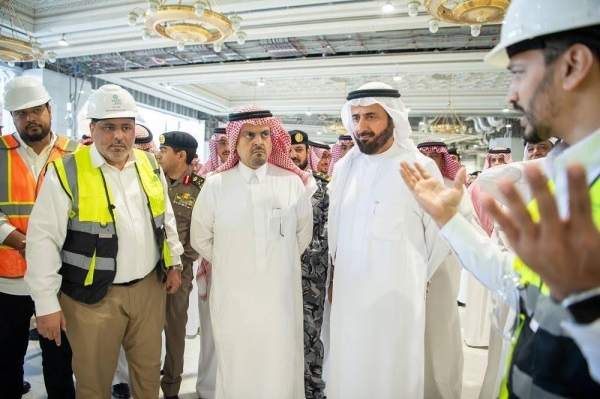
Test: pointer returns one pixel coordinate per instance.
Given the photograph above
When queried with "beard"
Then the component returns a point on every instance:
(303, 165)
(36, 137)
(374, 145)
(542, 101)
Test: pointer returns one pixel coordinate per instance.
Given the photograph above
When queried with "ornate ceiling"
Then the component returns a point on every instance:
(309, 54)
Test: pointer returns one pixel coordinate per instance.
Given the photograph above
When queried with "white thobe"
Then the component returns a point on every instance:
(253, 226)
(443, 339)
(385, 249)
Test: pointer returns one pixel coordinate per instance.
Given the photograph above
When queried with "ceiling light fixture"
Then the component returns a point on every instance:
(308, 113)
(52, 57)
(388, 7)
(199, 23)
(16, 46)
(168, 86)
(475, 30)
(217, 47)
(434, 25)
(468, 12)
(413, 8)
(261, 82)
(506, 110)
(448, 122)
(63, 42)
(397, 77)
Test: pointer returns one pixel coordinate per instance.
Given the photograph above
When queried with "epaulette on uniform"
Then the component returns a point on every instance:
(197, 181)
(321, 176)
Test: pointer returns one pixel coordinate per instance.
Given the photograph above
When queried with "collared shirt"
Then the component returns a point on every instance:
(183, 197)
(489, 264)
(138, 251)
(35, 163)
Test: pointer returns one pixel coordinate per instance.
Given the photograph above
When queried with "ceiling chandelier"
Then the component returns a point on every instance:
(17, 45)
(197, 23)
(474, 13)
(448, 122)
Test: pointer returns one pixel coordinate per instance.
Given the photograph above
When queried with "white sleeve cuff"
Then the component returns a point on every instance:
(47, 306)
(5, 230)
(587, 336)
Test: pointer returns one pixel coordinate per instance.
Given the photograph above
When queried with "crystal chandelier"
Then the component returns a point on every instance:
(465, 12)
(17, 45)
(197, 23)
(448, 122)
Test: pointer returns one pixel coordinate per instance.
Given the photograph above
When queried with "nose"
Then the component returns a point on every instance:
(360, 125)
(512, 97)
(258, 140)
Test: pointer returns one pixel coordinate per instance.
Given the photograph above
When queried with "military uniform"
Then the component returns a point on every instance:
(314, 276)
(182, 194)
(315, 261)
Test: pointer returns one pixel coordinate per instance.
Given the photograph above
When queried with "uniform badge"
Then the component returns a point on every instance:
(185, 200)
(299, 137)
(161, 139)
(186, 180)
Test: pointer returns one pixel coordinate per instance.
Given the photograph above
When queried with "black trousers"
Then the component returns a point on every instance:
(15, 313)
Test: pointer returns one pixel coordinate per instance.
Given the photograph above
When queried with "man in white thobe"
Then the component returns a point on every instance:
(384, 250)
(252, 221)
(443, 339)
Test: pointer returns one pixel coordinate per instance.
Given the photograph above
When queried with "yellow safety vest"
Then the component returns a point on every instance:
(545, 363)
(89, 253)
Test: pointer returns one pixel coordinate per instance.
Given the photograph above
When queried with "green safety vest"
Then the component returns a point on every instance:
(89, 253)
(545, 362)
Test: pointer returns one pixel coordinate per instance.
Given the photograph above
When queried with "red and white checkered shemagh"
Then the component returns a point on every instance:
(451, 167)
(336, 154)
(141, 132)
(314, 156)
(280, 140)
(203, 278)
(213, 157)
(507, 157)
(478, 195)
(86, 140)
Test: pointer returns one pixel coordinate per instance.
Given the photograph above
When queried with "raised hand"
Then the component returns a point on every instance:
(439, 201)
(564, 252)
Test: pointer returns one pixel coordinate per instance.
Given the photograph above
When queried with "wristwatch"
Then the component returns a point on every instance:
(179, 268)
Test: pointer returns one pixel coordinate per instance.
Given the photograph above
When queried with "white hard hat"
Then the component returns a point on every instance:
(24, 92)
(111, 101)
(528, 19)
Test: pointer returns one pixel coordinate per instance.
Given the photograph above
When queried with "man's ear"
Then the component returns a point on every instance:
(576, 64)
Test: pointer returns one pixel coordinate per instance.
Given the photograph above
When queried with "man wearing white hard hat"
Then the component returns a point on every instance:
(553, 281)
(103, 254)
(384, 249)
(23, 159)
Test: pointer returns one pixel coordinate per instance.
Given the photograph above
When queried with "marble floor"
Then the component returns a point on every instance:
(474, 370)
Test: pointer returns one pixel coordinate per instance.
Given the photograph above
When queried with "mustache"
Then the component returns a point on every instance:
(258, 149)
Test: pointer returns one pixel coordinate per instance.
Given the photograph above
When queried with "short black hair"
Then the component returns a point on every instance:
(189, 154)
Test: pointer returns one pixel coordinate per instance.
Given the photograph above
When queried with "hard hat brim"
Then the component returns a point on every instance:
(115, 115)
(30, 104)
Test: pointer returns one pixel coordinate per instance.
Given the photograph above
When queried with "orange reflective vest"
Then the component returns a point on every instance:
(18, 190)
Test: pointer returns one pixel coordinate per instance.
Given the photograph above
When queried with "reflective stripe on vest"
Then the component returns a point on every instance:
(545, 362)
(90, 249)
(18, 190)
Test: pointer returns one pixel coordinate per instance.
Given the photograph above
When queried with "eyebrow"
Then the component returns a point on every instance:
(366, 114)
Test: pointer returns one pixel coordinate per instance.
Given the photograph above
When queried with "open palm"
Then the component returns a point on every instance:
(439, 201)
